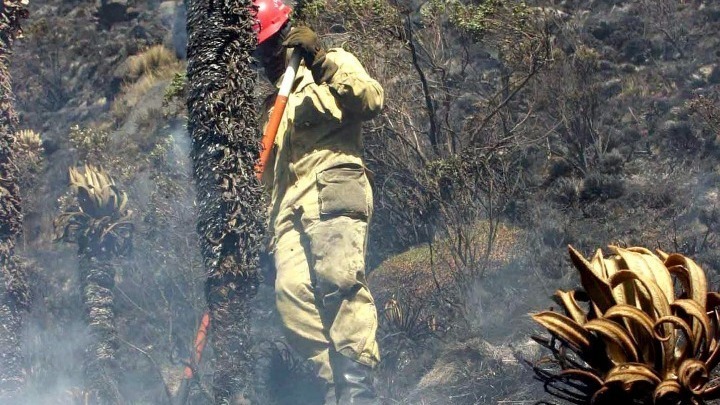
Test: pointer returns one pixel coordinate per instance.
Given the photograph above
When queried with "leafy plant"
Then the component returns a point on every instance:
(412, 321)
(28, 140)
(90, 143)
(475, 19)
(29, 150)
(176, 88)
(100, 221)
(650, 332)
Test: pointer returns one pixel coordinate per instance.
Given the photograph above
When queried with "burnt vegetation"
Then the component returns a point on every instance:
(14, 287)
(510, 130)
(223, 125)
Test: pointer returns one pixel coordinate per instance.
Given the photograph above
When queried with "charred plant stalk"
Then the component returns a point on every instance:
(14, 291)
(97, 279)
(225, 146)
(229, 308)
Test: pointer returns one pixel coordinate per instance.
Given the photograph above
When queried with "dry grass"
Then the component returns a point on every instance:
(413, 270)
(154, 61)
(474, 372)
(636, 86)
(144, 71)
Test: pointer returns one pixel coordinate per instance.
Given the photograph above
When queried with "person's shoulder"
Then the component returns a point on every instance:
(342, 57)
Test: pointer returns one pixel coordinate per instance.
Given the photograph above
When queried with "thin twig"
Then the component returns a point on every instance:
(154, 364)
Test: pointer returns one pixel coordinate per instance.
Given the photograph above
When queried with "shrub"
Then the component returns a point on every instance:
(565, 192)
(679, 134)
(602, 187)
(89, 142)
(176, 88)
(560, 168)
(612, 163)
(45, 81)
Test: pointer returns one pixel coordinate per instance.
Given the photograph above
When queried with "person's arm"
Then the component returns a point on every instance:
(358, 95)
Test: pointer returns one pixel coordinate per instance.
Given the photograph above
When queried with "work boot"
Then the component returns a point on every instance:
(353, 382)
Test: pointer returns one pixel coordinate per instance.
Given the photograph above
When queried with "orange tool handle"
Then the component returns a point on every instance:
(200, 340)
(278, 110)
(268, 138)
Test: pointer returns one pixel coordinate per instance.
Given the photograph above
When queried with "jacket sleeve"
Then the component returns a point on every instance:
(358, 95)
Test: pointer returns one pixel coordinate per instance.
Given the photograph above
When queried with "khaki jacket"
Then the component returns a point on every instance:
(321, 129)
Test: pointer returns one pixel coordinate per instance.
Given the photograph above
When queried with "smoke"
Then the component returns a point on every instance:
(159, 292)
(179, 31)
(55, 355)
(159, 287)
(55, 335)
(178, 155)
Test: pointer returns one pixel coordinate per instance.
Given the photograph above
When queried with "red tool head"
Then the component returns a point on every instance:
(271, 16)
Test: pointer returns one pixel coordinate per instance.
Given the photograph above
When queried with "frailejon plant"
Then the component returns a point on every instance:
(14, 289)
(99, 224)
(225, 147)
(644, 329)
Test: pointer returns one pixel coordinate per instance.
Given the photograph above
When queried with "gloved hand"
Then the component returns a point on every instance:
(307, 41)
(312, 51)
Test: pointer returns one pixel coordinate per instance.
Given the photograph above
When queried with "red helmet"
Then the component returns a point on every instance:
(271, 16)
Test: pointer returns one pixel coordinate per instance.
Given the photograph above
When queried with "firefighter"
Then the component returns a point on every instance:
(320, 206)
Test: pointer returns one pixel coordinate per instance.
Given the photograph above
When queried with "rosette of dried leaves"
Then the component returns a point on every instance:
(644, 329)
(99, 223)
(29, 161)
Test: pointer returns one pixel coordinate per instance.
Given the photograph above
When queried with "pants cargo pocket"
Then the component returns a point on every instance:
(342, 191)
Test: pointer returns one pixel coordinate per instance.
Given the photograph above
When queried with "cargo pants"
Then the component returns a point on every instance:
(321, 290)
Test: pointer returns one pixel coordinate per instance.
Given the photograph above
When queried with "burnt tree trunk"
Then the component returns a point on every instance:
(14, 290)
(97, 279)
(225, 146)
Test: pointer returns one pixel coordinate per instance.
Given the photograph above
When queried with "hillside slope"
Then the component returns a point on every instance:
(615, 141)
